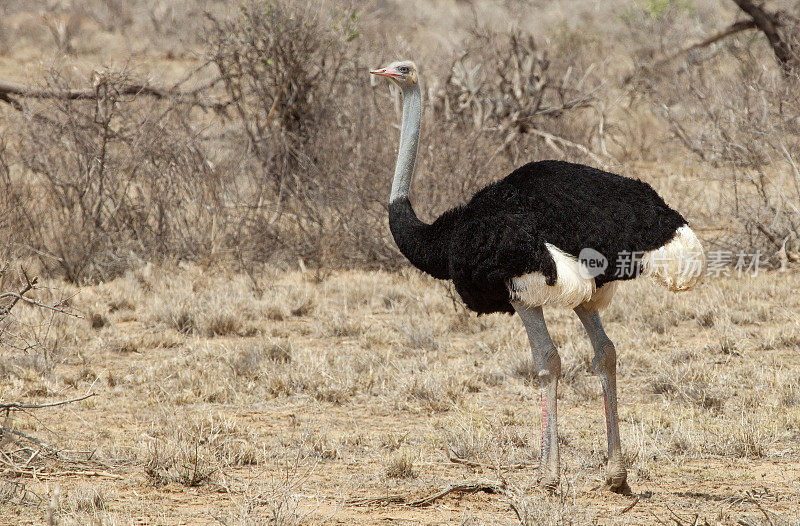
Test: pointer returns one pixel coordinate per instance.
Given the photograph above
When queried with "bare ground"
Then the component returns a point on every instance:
(220, 403)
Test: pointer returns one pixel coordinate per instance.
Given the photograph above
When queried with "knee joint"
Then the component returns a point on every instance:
(605, 357)
(550, 367)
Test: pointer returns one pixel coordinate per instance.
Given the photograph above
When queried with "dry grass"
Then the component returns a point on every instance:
(294, 418)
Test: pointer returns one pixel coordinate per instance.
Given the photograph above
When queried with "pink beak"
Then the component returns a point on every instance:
(387, 73)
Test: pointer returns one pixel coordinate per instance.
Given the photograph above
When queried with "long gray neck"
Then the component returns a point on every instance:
(409, 139)
(424, 245)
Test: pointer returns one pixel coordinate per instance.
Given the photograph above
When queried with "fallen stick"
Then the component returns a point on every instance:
(491, 488)
(473, 487)
(630, 506)
(471, 463)
(389, 499)
(8, 406)
(51, 474)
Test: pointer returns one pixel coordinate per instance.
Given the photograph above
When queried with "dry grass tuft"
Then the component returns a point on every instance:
(183, 462)
(400, 465)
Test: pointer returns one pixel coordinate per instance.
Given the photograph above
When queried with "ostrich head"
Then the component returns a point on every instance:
(402, 73)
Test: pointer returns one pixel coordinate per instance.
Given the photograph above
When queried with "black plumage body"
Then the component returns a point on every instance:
(501, 233)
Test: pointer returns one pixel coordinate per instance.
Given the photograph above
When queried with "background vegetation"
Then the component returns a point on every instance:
(274, 144)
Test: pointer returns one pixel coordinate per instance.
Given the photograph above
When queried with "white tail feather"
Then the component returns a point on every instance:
(679, 264)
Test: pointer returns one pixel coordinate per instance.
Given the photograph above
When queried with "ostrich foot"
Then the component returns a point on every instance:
(617, 481)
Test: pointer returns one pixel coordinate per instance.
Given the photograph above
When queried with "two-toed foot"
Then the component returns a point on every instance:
(617, 480)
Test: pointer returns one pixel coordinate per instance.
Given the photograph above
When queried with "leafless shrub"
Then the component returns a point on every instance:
(505, 100)
(288, 76)
(276, 502)
(29, 317)
(747, 120)
(729, 103)
(505, 81)
(99, 184)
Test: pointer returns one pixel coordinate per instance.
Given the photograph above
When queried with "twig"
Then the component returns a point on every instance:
(9, 406)
(274, 105)
(630, 506)
(46, 474)
(736, 27)
(17, 296)
(389, 499)
(675, 516)
(492, 488)
(471, 463)
(555, 138)
(32, 439)
(658, 518)
(516, 509)
(29, 284)
(752, 499)
(769, 235)
(679, 132)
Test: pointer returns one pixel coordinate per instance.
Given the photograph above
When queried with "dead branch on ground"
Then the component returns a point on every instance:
(16, 406)
(493, 488)
(471, 487)
(630, 506)
(19, 460)
(388, 499)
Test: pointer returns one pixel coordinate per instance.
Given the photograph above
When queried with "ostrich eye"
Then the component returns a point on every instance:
(403, 69)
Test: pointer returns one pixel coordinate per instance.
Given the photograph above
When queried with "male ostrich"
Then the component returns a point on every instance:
(515, 247)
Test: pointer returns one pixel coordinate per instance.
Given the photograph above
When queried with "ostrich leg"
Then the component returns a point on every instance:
(605, 363)
(548, 367)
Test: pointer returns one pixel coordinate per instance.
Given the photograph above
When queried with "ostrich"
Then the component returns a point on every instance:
(549, 233)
